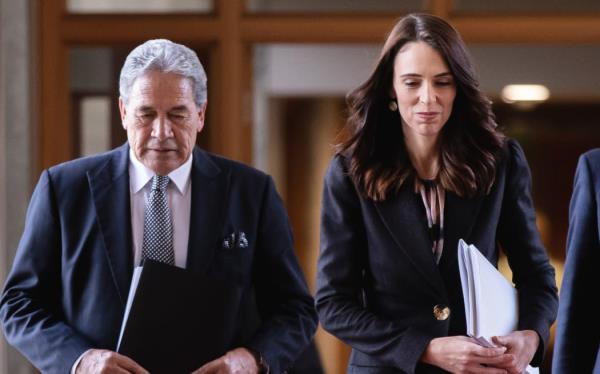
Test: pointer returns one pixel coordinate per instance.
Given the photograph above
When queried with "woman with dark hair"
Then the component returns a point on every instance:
(423, 166)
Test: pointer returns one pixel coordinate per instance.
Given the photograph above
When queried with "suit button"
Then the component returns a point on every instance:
(441, 312)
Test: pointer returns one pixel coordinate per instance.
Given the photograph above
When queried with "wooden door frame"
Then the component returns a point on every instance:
(231, 32)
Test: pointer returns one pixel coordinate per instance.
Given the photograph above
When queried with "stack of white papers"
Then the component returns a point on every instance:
(491, 302)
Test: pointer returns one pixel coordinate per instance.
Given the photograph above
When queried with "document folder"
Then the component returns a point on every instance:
(491, 301)
(176, 320)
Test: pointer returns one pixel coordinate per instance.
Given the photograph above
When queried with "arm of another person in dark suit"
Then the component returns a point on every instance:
(577, 332)
(518, 235)
(339, 281)
(284, 302)
(30, 307)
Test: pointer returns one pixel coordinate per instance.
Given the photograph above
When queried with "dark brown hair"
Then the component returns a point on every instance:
(470, 142)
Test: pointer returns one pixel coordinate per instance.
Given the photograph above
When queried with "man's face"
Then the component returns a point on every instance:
(162, 120)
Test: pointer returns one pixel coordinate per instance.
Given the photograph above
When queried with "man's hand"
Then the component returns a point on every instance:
(102, 361)
(238, 361)
(460, 354)
(522, 345)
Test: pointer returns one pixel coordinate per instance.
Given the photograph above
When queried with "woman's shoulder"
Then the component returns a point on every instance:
(513, 153)
(513, 164)
(339, 164)
(338, 174)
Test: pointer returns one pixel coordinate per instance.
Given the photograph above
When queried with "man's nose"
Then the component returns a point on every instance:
(162, 128)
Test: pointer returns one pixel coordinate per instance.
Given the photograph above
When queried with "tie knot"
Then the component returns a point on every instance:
(160, 182)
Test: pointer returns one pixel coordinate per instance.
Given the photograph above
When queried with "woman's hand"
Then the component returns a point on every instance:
(460, 354)
(522, 345)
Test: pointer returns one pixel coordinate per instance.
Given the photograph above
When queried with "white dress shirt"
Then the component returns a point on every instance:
(179, 197)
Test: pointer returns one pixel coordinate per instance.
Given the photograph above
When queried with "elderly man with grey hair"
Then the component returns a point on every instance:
(159, 197)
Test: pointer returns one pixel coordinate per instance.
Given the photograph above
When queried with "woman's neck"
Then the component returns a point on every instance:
(424, 153)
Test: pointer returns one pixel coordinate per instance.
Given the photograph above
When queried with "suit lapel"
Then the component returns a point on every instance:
(460, 215)
(210, 187)
(404, 217)
(110, 191)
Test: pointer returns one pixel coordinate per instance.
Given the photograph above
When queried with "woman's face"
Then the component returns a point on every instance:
(424, 88)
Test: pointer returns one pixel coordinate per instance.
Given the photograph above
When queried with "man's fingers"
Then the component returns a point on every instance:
(119, 370)
(210, 367)
(130, 365)
(105, 361)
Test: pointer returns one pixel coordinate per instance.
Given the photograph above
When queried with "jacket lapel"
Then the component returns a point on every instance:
(110, 191)
(460, 215)
(405, 219)
(210, 188)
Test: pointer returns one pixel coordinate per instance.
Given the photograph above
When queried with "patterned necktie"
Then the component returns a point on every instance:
(158, 228)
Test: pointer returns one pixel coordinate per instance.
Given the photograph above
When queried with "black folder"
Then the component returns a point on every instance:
(177, 320)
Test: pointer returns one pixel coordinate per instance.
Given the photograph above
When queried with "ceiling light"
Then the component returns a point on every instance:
(531, 93)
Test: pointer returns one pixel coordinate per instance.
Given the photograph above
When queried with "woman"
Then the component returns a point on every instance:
(424, 166)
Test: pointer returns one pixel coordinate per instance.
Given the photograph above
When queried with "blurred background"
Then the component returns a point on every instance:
(278, 72)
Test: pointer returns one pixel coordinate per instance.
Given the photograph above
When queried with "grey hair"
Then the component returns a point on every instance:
(167, 57)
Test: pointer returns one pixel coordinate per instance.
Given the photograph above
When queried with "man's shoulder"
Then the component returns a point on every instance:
(593, 157)
(589, 166)
(236, 169)
(81, 166)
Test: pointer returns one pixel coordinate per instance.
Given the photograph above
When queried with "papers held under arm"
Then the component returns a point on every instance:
(176, 320)
(491, 301)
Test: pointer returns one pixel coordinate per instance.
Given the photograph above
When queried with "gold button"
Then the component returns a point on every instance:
(441, 312)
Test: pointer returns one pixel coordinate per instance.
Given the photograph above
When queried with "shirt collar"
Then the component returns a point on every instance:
(140, 175)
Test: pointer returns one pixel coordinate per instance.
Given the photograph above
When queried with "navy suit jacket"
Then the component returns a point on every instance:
(378, 281)
(69, 282)
(577, 346)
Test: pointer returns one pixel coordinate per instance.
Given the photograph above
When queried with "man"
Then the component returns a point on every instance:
(577, 347)
(91, 220)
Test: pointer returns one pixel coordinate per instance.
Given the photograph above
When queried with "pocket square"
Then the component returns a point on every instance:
(236, 239)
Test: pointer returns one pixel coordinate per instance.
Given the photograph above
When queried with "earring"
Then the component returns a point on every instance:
(393, 106)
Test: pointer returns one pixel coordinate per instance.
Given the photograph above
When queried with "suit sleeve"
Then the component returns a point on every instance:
(340, 282)
(30, 306)
(284, 302)
(518, 235)
(578, 338)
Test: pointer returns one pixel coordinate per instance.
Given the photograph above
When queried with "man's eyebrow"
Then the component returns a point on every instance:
(145, 108)
(179, 108)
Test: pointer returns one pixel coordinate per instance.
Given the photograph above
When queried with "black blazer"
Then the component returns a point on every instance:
(378, 283)
(68, 285)
(577, 347)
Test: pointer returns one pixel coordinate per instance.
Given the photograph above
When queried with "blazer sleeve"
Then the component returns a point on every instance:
(339, 281)
(284, 302)
(518, 236)
(578, 337)
(30, 306)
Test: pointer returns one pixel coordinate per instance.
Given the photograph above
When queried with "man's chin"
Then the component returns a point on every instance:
(162, 166)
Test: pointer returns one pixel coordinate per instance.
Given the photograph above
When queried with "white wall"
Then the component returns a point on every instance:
(569, 71)
(15, 146)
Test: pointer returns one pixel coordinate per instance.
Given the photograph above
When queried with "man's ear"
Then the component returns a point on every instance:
(122, 110)
(201, 116)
